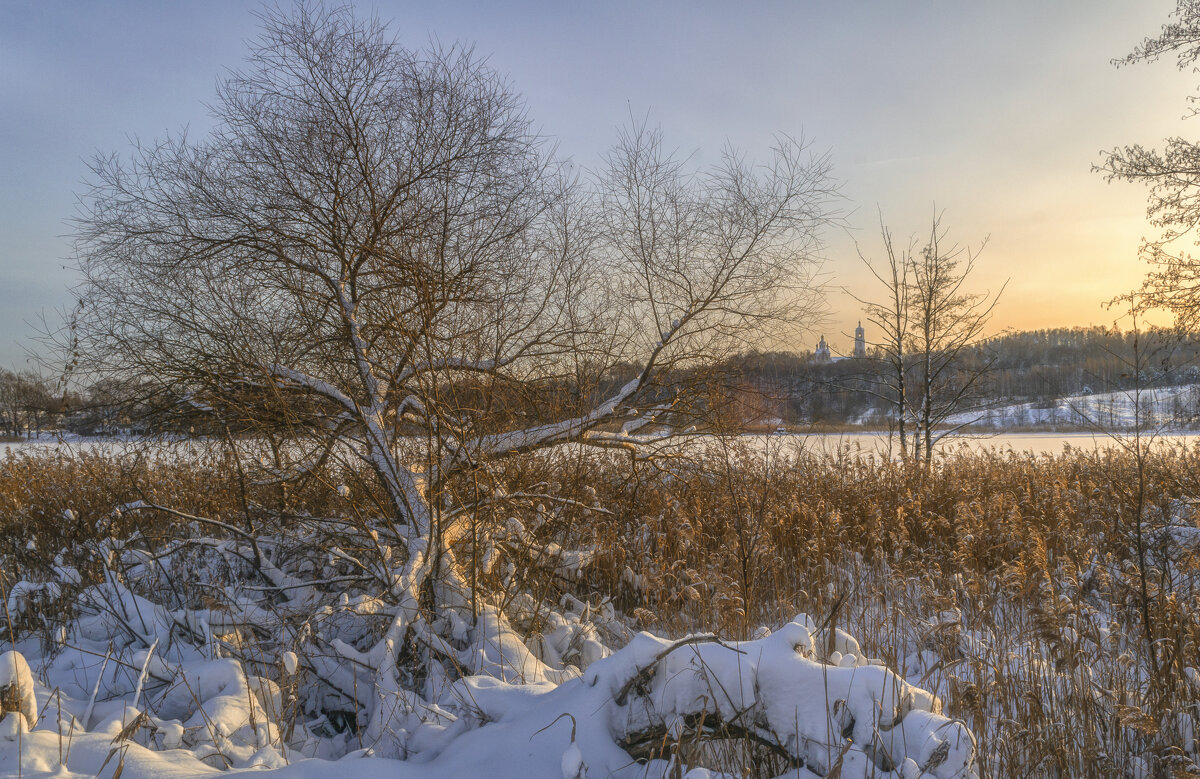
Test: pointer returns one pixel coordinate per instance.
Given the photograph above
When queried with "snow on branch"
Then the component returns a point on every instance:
(313, 384)
(568, 429)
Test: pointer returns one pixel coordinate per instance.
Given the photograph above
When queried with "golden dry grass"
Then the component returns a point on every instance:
(1009, 583)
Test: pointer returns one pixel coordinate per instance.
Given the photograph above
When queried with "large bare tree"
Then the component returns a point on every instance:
(374, 257)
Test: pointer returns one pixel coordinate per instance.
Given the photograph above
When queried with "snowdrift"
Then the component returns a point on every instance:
(152, 701)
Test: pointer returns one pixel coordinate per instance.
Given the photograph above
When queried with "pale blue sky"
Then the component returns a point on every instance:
(995, 111)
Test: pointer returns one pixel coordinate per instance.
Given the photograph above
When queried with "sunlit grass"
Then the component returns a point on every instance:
(1005, 582)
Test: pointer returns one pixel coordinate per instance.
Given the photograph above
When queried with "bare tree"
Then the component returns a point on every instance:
(890, 319)
(930, 322)
(10, 403)
(26, 403)
(373, 257)
(945, 320)
(1172, 177)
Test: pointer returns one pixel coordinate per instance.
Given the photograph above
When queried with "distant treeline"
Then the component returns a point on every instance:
(1038, 366)
(753, 388)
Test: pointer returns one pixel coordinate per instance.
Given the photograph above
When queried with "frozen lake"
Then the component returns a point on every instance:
(71, 444)
(1037, 443)
(826, 443)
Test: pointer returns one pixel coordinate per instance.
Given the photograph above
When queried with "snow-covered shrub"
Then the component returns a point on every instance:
(18, 701)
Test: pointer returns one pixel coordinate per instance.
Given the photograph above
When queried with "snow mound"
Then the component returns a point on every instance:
(809, 696)
(17, 697)
(863, 718)
(289, 683)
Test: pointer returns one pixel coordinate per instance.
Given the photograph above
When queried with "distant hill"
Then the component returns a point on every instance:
(1170, 407)
(1031, 371)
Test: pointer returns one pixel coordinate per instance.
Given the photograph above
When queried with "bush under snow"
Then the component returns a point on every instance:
(148, 687)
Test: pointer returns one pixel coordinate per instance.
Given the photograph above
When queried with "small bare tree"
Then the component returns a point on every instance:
(890, 319)
(945, 320)
(930, 322)
(26, 403)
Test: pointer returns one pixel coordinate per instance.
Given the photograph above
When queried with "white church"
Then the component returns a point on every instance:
(822, 353)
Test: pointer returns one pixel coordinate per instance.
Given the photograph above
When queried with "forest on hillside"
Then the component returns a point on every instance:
(1035, 366)
(754, 389)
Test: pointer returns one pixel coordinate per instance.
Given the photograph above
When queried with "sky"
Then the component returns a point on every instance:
(992, 114)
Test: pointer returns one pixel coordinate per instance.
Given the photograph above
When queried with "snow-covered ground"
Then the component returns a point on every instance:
(1170, 407)
(125, 694)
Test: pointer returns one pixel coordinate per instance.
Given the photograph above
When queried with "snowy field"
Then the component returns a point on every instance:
(1164, 407)
(101, 445)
